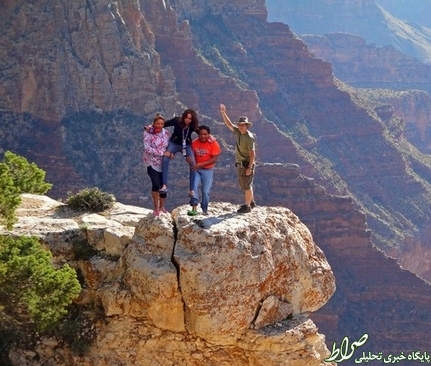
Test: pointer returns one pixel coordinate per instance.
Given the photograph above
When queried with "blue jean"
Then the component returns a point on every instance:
(174, 148)
(205, 178)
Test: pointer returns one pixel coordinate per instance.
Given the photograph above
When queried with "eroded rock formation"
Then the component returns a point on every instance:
(209, 290)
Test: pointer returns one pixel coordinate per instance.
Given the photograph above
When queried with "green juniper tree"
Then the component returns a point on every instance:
(32, 290)
(9, 197)
(28, 177)
(34, 294)
(18, 176)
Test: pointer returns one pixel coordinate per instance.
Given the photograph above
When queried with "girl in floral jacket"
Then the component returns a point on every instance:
(156, 140)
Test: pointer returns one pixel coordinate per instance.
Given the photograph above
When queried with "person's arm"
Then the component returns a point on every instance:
(157, 149)
(171, 122)
(226, 119)
(149, 148)
(251, 144)
(211, 160)
(252, 161)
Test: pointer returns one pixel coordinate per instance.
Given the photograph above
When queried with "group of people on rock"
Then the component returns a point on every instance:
(200, 153)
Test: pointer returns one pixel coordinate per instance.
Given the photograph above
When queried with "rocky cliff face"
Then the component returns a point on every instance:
(169, 285)
(60, 58)
(367, 280)
(402, 10)
(405, 29)
(363, 64)
(70, 57)
(398, 88)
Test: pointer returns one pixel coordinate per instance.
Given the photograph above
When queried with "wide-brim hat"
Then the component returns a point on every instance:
(245, 120)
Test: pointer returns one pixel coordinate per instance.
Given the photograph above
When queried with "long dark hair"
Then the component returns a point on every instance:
(194, 123)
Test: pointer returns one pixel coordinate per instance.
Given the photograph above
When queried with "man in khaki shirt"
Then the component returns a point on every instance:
(245, 157)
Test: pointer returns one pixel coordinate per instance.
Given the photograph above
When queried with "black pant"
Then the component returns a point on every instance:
(156, 180)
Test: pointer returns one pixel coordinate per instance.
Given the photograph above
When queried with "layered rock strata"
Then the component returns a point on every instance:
(366, 65)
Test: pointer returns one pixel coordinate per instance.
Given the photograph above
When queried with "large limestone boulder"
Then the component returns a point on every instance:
(238, 272)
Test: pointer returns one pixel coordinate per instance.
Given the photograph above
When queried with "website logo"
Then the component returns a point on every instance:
(346, 349)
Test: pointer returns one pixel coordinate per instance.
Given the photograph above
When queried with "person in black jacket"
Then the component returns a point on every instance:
(180, 141)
